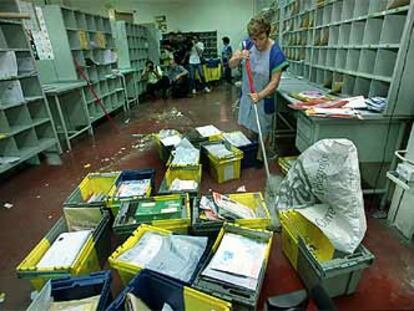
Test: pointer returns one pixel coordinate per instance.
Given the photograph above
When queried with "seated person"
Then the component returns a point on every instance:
(178, 77)
(155, 80)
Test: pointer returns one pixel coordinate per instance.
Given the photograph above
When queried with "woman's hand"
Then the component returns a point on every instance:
(245, 54)
(255, 97)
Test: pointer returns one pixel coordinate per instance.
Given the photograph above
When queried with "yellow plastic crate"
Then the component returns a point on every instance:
(183, 173)
(255, 201)
(93, 183)
(197, 300)
(86, 262)
(295, 225)
(127, 271)
(226, 169)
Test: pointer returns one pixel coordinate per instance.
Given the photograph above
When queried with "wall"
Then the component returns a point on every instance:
(228, 17)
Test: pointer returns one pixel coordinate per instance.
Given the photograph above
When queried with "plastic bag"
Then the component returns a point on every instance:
(177, 256)
(328, 173)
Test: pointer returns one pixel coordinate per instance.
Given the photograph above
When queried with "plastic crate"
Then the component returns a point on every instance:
(74, 288)
(92, 183)
(89, 259)
(226, 169)
(294, 226)
(155, 289)
(114, 202)
(164, 152)
(286, 163)
(249, 154)
(339, 276)
(253, 200)
(183, 173)
(127, 271)
(239, 298)
(123, 227)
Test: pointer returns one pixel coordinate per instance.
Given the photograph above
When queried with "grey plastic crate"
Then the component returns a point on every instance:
(240, 298)
(339, 276)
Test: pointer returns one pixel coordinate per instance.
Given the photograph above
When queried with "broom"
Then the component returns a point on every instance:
(272, 181)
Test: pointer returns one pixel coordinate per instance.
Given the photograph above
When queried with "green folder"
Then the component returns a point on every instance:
(158, 210)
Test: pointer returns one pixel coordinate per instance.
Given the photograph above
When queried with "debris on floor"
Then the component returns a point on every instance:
(8, 205)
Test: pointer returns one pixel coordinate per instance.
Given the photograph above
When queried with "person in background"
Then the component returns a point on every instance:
(195, 64)
(178, 78)
(226, 55)
(267, 64)
(155, 80)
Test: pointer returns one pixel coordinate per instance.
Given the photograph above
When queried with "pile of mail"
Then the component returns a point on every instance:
(131, 188)
(64, 250)
(237, 139)
(238, 261)
(220, 207)
(174, 255)
(185, 154)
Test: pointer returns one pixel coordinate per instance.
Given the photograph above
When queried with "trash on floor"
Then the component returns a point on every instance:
(8, 205)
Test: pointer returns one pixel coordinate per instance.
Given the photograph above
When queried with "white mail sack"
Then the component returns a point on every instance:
(324, 185)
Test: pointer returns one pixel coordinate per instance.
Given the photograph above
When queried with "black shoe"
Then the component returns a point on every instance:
(258, 164)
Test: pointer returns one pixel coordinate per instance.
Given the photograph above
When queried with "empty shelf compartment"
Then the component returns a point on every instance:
(352, 59)
(373, 30)
(367, 61)
(11, 93)
(385, 62)
(357, 32)
(362, 86)
(393, 28)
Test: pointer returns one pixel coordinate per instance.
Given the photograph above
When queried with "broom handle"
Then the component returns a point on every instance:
(253, 90)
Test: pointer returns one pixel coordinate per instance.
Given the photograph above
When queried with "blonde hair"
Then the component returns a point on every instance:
(258, 25)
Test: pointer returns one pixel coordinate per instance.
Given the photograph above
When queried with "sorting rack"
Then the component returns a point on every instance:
(26, 126)
(132, 47)
(348, 46)
(78, 38)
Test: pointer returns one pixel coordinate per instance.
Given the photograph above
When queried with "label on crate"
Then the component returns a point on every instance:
(228, 172)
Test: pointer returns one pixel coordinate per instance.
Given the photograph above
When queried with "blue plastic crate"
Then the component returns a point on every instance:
(74, 288)
(146, 173)
(250, 154)
(155, 289)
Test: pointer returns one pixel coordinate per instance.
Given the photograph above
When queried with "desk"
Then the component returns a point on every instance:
(369, 135)
(68, 107)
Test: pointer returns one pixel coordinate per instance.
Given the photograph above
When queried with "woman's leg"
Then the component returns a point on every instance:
(192, 77)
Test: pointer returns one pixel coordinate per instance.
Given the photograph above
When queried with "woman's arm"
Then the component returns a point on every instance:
(237, 58)
(269, 89)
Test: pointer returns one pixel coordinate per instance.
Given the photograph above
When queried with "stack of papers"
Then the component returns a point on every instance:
(133, 188)
(169, 137)
(376, 104)
(174, 255)
(96, 198)
(181, 185)
(231, 208)
(65, 249)
(185, 154)
(219, 151)
(208, 130)
(237, 261)
(237, 139)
